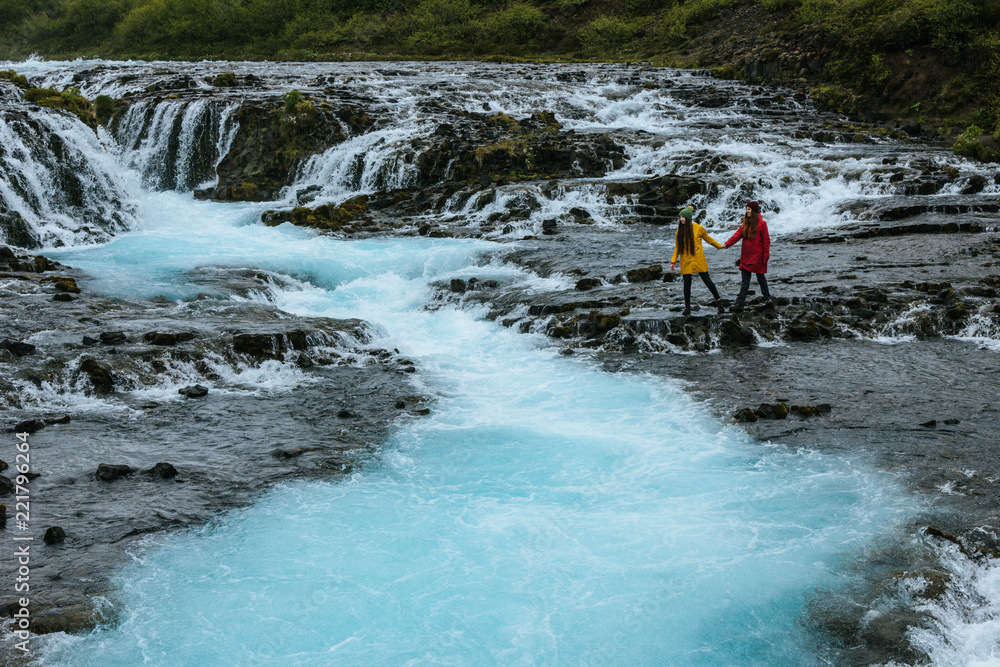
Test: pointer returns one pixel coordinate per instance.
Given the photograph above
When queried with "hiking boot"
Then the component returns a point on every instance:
(718, 304)
(687, 311)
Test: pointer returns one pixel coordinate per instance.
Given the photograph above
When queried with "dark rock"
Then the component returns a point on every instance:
(62, 297)
(99, 374)
(457, 285)
(587, 283)
(930, 424)
(194, 391)
(29, 426)
(746, 415)
(66, 284)
(162, 471)
(17, 348)
(771, 411)
(604, 321)
(65, 419)
(975, 185)
(107, 472)
(580, 213)
(733, 334)
(344, 413)
(269, 345)
(87, 340)
(17, 231)
(167, 339)
(273, 141)
(400, 404)
(6, 486)
(3, 516)
(113, 337)
(54, 535)
(421, 411)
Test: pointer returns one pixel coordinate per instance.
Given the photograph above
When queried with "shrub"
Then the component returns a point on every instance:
(518, 24)
(292, 99)
(969, 144)
(440, 25)
(607, 34)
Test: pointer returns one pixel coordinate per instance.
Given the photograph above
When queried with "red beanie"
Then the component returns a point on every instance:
(754, 206)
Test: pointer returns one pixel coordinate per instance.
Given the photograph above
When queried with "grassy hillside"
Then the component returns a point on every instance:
(936, 61)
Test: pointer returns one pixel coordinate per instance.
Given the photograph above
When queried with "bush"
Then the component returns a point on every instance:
(607, 34)
(518, 24)
(292, 100)
(969, 144)
(441, 25)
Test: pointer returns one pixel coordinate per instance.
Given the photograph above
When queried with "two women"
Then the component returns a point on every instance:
(754, 253)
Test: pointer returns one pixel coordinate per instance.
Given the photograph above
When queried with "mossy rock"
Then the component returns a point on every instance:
(70, 100)
(225, 80)
(19, 80)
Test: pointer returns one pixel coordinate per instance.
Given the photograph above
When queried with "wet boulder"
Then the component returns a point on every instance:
(167, 339)
(162, 470)
(193, 391)
(107, 472)
(113, 337)
(29, 426)
(771, 411)
(733, 334)
(17, 348)
(54, 535)
(99, 374)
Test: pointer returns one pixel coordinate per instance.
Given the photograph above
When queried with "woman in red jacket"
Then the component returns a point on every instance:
(754, 253)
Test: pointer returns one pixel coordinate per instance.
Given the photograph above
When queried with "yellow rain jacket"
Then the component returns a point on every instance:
(695, 263)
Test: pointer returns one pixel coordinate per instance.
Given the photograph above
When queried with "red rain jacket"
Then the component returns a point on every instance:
(754, 252)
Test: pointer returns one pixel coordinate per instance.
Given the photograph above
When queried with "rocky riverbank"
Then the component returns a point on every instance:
(175, 416)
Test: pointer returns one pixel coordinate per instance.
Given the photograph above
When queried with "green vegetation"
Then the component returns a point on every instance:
(19, 80)
(70, 99)
(874, 53)
(971, 144)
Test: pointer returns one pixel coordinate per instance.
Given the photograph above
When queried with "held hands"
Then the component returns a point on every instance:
(673, 265)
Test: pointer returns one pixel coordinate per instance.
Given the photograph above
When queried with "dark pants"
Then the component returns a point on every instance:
(761, 280)
(708, 283)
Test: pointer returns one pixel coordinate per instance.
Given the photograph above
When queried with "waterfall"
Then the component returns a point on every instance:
(59, 183)
(177, 144)
(379, 160)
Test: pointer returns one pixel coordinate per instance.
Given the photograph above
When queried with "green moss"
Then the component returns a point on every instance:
(70, 99)
(225, 80)
(104, 108)
(19, 80)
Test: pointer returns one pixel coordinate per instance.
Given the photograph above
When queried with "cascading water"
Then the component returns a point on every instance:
(545, 512)
(58, 177)
(176, 145)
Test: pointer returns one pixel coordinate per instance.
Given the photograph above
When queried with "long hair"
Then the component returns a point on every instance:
(749, 224)
(685, 237)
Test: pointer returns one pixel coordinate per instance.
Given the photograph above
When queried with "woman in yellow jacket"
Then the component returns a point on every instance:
(687, 246)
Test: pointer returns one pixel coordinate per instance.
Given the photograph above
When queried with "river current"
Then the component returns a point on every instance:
(545, 512)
